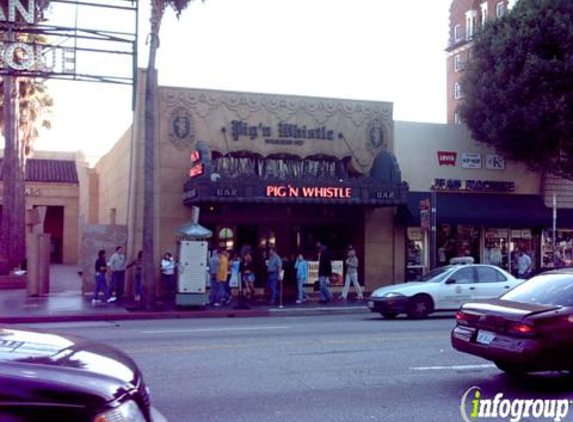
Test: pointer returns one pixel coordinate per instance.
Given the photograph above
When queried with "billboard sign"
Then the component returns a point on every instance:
(92, 41)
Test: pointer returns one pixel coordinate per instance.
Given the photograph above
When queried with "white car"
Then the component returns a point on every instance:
(442, 289)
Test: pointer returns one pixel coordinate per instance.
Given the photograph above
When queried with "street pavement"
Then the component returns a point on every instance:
(65, 302)
(335, 368)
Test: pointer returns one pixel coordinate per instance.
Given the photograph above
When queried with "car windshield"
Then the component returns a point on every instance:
(544, 289)
(436, 274)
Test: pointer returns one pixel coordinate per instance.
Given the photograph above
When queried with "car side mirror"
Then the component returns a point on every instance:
(451, 281)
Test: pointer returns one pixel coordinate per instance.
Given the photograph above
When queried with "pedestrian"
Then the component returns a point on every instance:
(274, 268)
(248, 276)
(523, 263)
(117, 267)
(223, 277)
(351, 275)
(168, 275)
(324, 274)
(138, 264)
(100, 283)
(301, 270)
(214, 296)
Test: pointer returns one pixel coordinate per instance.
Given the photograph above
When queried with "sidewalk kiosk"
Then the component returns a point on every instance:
(192, 267)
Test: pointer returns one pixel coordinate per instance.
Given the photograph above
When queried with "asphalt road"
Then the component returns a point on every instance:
(331, 368)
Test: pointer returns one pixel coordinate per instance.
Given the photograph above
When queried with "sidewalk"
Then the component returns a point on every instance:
(65, 303)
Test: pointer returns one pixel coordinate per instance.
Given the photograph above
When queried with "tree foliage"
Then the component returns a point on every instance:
(518, 86)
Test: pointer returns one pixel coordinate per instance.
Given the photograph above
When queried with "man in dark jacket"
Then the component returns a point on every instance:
(324, 273)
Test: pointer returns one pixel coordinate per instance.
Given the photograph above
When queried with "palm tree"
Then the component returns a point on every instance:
(24, 104)
(158, 8)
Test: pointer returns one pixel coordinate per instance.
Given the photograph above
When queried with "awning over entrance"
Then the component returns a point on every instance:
(494, 210)
(295, 192)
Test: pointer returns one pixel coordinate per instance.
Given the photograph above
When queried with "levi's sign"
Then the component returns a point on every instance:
(324, 192)
(447, 158)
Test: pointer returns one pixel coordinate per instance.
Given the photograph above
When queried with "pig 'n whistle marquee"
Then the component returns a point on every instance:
(40, 38)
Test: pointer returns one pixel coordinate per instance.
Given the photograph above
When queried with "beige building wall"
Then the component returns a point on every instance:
(113, 183)
(416, 149)
(64, 195)
(562, 188)
(379, 248)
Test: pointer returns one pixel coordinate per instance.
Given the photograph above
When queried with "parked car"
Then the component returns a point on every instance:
(528, 329)
(50, 377)
(442, 289)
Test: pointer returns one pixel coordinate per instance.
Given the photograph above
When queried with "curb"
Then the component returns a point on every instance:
(132, 316)
(189, 314)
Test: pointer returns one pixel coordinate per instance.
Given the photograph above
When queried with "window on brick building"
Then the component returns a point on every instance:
(457, 91)
(457, 63)
(483, 14)
(500, 9)
(471, 16)
(457, 33)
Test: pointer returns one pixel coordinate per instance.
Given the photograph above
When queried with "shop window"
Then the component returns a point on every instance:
(521, 239)
(415, 254)
(563, 254)
(496, 247)
(454, 241)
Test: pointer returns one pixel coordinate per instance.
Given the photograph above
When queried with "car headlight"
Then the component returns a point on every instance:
(393, 294)
(127, 412)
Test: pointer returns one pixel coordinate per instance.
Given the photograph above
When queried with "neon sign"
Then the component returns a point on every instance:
(197, 167)
(325, 192)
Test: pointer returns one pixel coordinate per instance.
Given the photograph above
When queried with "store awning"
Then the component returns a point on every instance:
(494, 210)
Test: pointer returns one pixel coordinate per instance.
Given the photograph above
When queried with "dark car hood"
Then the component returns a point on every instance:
(508, 307)
(41, 366)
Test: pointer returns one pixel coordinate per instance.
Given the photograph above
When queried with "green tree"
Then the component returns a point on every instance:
(518, 86)
(158, 8)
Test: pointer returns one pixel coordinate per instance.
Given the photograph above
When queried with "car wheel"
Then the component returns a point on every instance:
(389, 315)
(420, 306)
(510, 369)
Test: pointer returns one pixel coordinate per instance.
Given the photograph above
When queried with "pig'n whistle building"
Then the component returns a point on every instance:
(265, 170)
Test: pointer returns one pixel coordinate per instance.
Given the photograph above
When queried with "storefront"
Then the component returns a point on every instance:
(487, 227)
(485, 208)
(266, 170)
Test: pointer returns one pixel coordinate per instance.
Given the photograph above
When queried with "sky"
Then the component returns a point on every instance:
(379, 50)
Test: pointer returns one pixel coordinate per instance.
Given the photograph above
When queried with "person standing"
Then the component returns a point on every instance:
(301, 269)
(248, 276)
(100, 283)
(324, 274)
(168, 275)
(117, 267)
(223, 277)
(351, 275)
(274, 267)
(138, 264)
(213, 283)
(523, 263)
